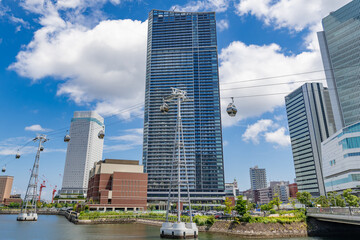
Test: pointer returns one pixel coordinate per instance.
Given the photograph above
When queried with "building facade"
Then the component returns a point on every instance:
(84, 149)
(341, 159)
(293, 189)
(118, 185)
(182, 53)
(340, 47)
(308, 119)
(5, 187)
(231, 189)
(258, 178)
(281, 189)
(265, 195)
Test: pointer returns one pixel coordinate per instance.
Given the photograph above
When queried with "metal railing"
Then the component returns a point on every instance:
(350, 211)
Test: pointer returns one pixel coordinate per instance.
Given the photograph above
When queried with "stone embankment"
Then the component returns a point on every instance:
(260, 230)
(39, 211)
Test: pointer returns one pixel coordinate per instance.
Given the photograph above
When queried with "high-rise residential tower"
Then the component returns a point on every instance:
(84, 149)
(340, 50)
(182, 53)
(258, 178)
(309, 124)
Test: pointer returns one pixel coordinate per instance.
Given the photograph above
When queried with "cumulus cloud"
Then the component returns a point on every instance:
(268, 130)
(36, 128)
(240, 64)
(278, 137)
(252, 132)
(104, 64)
(203, 5)
(289, 13)
(222, 24)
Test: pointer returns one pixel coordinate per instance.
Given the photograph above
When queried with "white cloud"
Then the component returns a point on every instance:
(253, 131)
(265, 129)
(203, 5)
(36, 128)
(105, 64)
(278, 137)
(240, 63)
(222, 24)
(131, 139)
(293, 14)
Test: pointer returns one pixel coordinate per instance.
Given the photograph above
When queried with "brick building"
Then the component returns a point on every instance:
(5, 187)
(117, 185)
(293, 189)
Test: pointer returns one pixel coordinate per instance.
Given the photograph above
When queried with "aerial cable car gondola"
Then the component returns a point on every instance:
(164, 108)
(101, 134)
(67, 137)
(3, 169)
(17, 156)
(231, 109)
(41, 148)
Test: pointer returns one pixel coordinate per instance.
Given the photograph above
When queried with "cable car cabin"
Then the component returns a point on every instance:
(67, 138)
(101, 134)
(164, 108)
(231, 110)
(17, 156)
(41, 148)
(3, 169)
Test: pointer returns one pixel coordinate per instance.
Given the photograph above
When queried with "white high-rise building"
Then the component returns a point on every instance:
(84, 149)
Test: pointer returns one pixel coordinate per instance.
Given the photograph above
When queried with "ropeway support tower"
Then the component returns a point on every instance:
(178, 177)
(28, 209)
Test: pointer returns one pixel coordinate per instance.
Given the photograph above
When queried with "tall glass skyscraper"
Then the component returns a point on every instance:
(310, 123)
(340, 50)
(182, 53)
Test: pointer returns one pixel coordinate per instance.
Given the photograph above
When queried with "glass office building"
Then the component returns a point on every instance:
(182, 53)
(340, 50)
(341, 160)
(310, 123)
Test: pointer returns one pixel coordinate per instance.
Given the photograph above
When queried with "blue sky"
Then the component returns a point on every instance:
(57, 57)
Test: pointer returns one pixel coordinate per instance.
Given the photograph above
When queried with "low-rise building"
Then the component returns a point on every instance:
(231, 189)
(117, 185)
(16, 198)
(265, 195)
(341, 159)
(280, 188)
(293, 189)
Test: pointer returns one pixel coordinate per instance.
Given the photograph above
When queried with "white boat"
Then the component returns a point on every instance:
(27, 216)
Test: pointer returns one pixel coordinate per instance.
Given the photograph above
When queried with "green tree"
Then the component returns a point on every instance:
(304, 198)
(292, 202)
(228, 206)
(241, 206)
(276, 201)
(332, 198)
(14, 205)
(323, 201)
(251, 205)
(266, 207)
(340, 202)
(352, 200)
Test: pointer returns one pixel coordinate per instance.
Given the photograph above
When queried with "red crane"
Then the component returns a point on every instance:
(53, 194)
(41, 187)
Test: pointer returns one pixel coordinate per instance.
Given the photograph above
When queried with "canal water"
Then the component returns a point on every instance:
(49, 227)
